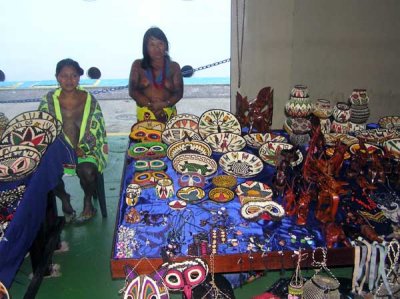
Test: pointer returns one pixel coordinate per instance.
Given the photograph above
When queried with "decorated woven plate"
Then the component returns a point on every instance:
(30, 136)
(188, 147)
(225, 142)
(240, 164)
(191, 194)
(185, 123)
(332, 138)
(254, 189)
(149, 125)
(178, 117)
(40, 125)
(179, 134)
(269, 152)
(377, 136)
(370, 148)
(194, 163)
(256, 140)
(221, 195)
(17, 162)
(389, 122)
(36, 118)
(218, 121)
(392, 147)
(224, 180)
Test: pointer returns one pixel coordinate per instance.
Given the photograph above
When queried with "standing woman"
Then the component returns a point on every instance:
(155, 82)
(83, 128)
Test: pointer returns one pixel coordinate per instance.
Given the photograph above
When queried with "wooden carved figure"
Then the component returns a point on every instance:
(256, 114)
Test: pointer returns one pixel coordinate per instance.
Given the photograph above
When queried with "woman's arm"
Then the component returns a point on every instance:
(135, 90)
(177, 80)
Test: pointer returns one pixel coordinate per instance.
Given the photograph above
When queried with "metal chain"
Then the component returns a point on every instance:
(207, 66)
(111, 89)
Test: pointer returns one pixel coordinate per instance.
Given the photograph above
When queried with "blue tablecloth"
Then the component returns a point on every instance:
(152, 235)
(30, 213)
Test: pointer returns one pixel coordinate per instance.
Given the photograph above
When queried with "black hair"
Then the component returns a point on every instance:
(68, 62)
(157, 33)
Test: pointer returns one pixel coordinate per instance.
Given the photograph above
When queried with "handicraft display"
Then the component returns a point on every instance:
(225, 142)
(188, 147)
(241, 164)
(170, 136)
(195, 163)
(17, 162)
(310, 196)
(218, 121)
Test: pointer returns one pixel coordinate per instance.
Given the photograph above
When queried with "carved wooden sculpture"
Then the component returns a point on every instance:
(256, 114)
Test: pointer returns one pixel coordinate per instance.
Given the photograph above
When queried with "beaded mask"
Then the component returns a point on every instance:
(191, 179)
(148, 179)
(147, 150)
(185, 275)
(142, 165)
(17, 162)
(253, 209)
(145, 286)
(145, 135)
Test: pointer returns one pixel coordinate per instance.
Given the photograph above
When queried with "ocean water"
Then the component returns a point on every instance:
(107, 82)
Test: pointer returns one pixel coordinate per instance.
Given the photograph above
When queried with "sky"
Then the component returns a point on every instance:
(108, 34)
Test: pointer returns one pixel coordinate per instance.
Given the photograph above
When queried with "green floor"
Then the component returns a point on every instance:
(85, 267)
